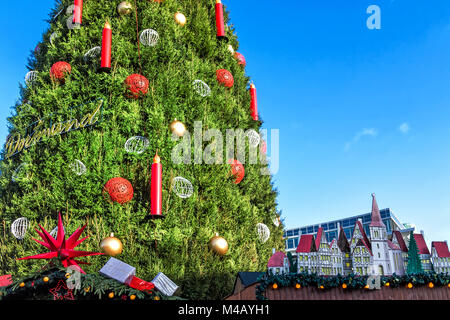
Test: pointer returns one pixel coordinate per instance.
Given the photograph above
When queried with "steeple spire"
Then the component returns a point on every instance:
(376, 217)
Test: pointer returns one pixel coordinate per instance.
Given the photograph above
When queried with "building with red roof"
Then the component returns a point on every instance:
(278, 263)
(369, 250)
(440, 256)
(424, 253)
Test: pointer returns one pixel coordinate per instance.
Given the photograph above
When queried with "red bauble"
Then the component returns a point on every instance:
(119, 190)
(225, 77)
(240, 58)
(137, 85)
(237, 170)
(60, 69)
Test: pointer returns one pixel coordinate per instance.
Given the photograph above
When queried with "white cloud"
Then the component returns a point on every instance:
(404, 128)
(365, 132)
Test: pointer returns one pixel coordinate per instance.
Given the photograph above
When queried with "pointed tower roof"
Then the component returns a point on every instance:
(376, 217)
(342, 241)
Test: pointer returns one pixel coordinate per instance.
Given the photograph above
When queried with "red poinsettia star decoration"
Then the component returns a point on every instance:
(62, 248)
(58, 294)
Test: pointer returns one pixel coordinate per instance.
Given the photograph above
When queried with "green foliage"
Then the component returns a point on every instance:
(414, 263)
(176, 245)
(292, 263)
(351, 281)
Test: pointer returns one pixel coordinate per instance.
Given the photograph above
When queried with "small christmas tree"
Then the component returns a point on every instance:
(414, 264)
(292, 263)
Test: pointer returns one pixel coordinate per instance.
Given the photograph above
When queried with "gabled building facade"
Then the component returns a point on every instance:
(440, 256)
(365, 254)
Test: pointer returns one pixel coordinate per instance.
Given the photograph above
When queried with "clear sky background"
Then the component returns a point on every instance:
(359, 111)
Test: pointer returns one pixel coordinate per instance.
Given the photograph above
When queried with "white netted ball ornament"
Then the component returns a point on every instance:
(253, 138)
(31, 77)
(201, 88)
(19, 228)
(149, 37)
(78, 167)
(263, 232)
(92, 54)
(276, 221)
(20, 173)
(136, 144)
(182, 187)
(53, 38)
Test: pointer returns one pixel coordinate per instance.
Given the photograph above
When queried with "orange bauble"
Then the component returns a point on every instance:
(218, 245)
(111, 246)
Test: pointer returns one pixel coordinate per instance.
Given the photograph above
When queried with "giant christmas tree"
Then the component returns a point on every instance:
(69, 129)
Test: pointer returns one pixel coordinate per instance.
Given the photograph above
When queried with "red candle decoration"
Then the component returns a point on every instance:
(156, 188)
(240, 58)
(137, 85)
(118, 190)
(253, 102)
(106, 46)
(237, 170)
(59, 70)
(220, 26)
(225, 77)
(78, 11)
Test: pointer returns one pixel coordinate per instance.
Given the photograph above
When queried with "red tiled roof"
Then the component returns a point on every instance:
(363, 233)
(393, 246)
(5, 280)
(306, 243)
(276, 260)
(361, 241)
(421, 245)
(376, 217)
(319, 237)
(331, 243)
(400, 240)
(342, 241)
(441, 249)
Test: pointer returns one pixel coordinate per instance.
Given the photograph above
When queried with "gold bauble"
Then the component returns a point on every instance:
(46, 279)
(230, 48)
(111, 295)
(124, 8)
(180, 18)
(111, 246)
(178, 128)
(218, 245)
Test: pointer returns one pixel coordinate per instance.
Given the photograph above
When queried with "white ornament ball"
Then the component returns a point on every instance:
(92, 54)
(201, 88)
(20, 173)
(253, 138)
(263, 232)
(31, 77)
(19, 228)
(78, 167)
(53, 38)
(137, 144)
(149, 37)
(182, 187)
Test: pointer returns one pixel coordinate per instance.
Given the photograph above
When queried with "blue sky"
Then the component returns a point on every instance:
(359, 110)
